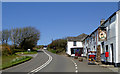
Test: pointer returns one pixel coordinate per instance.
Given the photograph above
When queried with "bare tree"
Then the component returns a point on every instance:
(1, 37)
(24, 37)
(5, 36)
(29, 37)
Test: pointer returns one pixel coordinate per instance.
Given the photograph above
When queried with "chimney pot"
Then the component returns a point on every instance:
(102, 21)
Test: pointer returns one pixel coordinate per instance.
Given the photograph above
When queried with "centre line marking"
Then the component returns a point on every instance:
(75, 66)
(76, 71)
(42, 66)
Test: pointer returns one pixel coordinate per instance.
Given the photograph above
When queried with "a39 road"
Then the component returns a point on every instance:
(46, 61)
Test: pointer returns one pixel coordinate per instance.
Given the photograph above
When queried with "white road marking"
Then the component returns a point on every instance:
(76, 71)
(75, 66)
(42, 66)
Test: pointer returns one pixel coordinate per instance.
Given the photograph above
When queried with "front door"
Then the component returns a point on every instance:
(112, 53)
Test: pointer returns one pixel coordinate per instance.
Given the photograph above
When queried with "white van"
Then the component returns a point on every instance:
(45, 47)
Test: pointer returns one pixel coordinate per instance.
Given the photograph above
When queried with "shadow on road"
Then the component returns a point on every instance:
(40, 51)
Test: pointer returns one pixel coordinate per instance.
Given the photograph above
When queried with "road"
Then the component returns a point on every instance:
(49, 62)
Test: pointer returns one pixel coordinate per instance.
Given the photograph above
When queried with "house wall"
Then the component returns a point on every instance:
(111, 38)
(119, 36)
(85, 46)
(70, 45)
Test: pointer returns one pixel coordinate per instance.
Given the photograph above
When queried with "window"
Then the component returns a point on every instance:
(74, 43)
(112, 52)
(73, 51)
(107, 23)
(106, 48)
(94, 48)
(110, 21)
(102, 47)
(113, 18)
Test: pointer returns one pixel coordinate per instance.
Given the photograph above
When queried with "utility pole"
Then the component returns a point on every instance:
(12, 35)
(52, 39)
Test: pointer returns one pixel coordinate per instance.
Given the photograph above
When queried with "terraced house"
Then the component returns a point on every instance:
(74, 44)
(106, 38)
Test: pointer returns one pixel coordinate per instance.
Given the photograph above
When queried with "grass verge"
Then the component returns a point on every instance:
(34, 52)
(9, 61)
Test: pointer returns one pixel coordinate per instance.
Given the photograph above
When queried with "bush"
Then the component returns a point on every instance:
(6, 50)
(51, 50)
(17, 50)
(58, 45)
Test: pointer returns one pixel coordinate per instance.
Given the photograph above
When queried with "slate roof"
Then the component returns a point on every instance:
(78, 38)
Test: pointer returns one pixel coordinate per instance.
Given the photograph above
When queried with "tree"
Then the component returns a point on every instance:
(1, 37)
(29, 37)
(5, 36)
(59, 45)
(25, 37)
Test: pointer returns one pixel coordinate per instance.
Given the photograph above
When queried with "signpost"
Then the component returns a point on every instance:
(102, 34)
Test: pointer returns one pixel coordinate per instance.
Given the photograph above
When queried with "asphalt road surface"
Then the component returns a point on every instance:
(46, 61)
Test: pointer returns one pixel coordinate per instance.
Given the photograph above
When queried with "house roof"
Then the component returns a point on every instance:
(73, 39)
(78, 38)
(102, 24)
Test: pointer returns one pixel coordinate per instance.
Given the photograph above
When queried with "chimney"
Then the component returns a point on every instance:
(102, 21)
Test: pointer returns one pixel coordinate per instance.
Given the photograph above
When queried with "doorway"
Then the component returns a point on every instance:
(112, 53)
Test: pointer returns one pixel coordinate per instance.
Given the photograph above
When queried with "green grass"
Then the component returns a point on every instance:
(34, 52)
(36, 49)
(9, 61)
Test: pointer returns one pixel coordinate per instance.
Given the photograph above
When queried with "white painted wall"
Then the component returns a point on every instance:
(119, 36)
(111, 38)
(70, 45)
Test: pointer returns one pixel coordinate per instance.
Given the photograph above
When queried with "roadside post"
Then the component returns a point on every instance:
(28, 50)
(106, 55)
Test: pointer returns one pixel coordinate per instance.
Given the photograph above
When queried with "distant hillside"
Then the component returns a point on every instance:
(78, 38)
(59, 45)
(82, 36)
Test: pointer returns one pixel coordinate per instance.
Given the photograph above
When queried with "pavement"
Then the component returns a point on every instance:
(57, 63)
(84, 67)
(111, 67)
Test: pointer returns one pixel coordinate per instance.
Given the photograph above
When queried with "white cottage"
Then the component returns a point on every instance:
(74, 44)
(110, 44)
